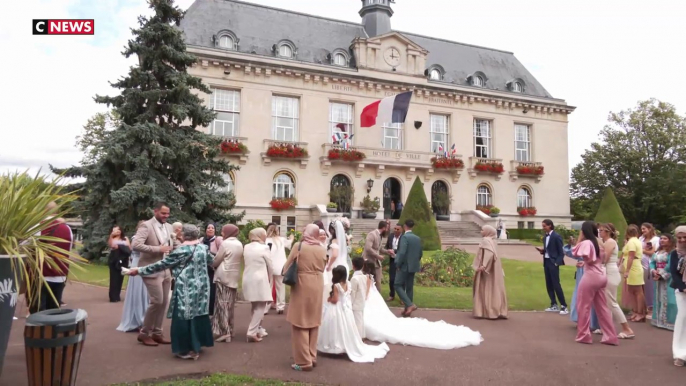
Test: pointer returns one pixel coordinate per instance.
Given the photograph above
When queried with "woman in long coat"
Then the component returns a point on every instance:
(189, 306)
(257, 275)
(227, 273)
(305, 308)
(490, 299)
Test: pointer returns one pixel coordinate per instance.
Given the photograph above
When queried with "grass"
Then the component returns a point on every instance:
(93, 273)
(217, 379)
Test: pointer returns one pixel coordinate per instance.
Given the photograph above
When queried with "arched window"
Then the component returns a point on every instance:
(478, 81)
(285, 51)
(340, 60)
(517, 87)
(435, 74)
(226, 42)
(284, 185)
(483, 196)
(230, 183)
(524, 199)
(341, 193)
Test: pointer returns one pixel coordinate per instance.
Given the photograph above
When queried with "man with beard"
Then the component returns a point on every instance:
(374, 252)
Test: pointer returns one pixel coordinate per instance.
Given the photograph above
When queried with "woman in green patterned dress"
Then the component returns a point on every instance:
(191, 328)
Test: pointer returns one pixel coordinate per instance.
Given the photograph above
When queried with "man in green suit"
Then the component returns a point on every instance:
(407, 261)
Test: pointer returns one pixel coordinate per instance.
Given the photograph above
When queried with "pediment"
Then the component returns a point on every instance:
(397, 36)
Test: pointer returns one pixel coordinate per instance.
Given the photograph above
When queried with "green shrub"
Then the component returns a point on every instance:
(417, 208)
(449, 268)
(250, 225)
(525, 234)
(610, 212)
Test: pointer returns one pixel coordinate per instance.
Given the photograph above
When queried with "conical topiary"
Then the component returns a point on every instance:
(417, 208)
(610, 212)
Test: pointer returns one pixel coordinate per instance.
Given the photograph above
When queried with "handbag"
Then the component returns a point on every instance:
(291, 275)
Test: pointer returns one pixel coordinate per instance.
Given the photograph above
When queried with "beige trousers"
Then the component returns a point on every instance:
(304, 342)
(159, 286)
(679, 337)
(280, 293)
(359, 322)
(378, 274)
(257, 316)
(614, 279)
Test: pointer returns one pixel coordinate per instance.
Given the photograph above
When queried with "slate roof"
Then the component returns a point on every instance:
(260, 27)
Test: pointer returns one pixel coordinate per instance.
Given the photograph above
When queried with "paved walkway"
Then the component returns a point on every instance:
(527, 349)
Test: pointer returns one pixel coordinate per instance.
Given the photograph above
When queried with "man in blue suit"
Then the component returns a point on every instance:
(553, 258)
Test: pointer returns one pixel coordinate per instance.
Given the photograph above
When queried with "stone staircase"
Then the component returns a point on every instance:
(452, 232)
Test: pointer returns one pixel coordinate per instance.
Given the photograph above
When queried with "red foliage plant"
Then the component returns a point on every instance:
(283, 203)
(286, 150)
(231, 147)
(530, 170)
(530, 211)
(447, 163)
(348, 155)
(485, 209)
(489, 167)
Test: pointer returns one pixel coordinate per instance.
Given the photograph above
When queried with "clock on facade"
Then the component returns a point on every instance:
(392, 57)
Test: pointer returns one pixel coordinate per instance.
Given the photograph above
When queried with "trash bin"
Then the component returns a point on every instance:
(54, 340)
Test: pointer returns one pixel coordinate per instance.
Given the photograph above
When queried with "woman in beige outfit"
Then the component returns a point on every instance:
(305, 308)
(256, 277)
(609, 234)
(490, 299)
(227, 272)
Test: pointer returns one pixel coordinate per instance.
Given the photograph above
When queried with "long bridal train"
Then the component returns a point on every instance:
(381, 325)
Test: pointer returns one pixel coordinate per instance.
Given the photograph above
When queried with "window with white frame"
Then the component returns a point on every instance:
(439, 132)
(478, 81)
(230, 183)
(483, 195)
(524, 199)
(341, 120)
(435, 74)
(482, 138)
(522, 143)
(227, 104)
(284, 186)
(285, 51)
(227, 42)
(285, 113)
(340, 60)
(517, 87)
(392, 136)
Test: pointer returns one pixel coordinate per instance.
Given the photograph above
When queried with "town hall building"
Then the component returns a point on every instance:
(288, 89)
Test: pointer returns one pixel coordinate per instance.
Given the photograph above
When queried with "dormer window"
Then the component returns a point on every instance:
(340, 58)
(435, 74)
(285, 49)
(478, 81)
(226, 40)
(517, 87)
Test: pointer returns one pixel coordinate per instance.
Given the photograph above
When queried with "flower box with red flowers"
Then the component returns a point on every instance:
(286, 150)
(447, 163)
(347, 155)
(233, 147)
(530, 170)
(489, 167)
(485, 209)
(283, 203)
(531, 211)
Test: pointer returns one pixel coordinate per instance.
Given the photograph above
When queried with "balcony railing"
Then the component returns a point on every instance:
(519, 169)
(235, 147)
(285, 151)
(492, 166)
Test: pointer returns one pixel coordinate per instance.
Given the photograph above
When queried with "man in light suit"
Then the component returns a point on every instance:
(553, 258)
(375, 253)
(154, 239)
(407, 261)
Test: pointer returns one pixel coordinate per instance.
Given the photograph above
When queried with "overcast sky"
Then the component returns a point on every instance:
(599, 56)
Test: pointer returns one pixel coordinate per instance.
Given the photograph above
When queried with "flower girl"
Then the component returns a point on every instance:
(338, 333)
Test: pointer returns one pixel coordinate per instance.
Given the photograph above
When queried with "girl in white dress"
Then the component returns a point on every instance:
(338, 254)
(338, 333)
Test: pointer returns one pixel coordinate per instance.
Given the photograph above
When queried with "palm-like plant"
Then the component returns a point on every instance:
(25, 203)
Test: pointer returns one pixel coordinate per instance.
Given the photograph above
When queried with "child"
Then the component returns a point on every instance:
(360, 284)
(338, 333)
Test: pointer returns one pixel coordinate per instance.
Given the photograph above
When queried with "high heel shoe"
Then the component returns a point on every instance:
(253, 339)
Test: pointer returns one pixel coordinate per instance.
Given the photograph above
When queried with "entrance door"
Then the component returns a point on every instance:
(438, 186)
(391, 195)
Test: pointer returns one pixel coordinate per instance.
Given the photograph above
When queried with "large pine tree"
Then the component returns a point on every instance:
(155, 153)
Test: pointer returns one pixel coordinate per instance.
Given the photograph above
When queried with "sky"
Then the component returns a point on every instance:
(599, 56)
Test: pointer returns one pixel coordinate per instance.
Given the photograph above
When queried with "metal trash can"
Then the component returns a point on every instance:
(54, 340)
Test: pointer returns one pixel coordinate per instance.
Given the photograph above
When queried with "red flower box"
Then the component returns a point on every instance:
(447, 163)
(348, 155)
(286, 151)
(527, 211)
(283, 203)
(485, 209)
(530, 170)
(489, 167)
(231, 147)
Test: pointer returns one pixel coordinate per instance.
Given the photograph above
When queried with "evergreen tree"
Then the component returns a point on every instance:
(610, 212)
(155, 153)
(417, 208)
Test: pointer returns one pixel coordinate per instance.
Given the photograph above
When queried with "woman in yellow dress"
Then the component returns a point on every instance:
(633, 273)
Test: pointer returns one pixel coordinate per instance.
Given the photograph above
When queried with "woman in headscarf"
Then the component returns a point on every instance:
(188, 309)
(227, 272)
(490, 299)
(256, 278)
(677, 267)
(305, 309)
(212, 241)
(277, 246)
(664, 306)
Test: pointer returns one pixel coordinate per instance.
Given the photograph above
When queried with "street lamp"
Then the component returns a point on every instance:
(370, 184)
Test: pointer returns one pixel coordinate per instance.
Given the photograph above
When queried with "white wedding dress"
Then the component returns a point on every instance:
(381, 325)
(338, 333)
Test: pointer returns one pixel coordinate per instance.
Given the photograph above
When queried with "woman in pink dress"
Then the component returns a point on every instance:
(591, 291)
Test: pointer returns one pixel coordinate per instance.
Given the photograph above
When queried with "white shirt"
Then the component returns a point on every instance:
(396, 239)
(546, 245)
(163, 232)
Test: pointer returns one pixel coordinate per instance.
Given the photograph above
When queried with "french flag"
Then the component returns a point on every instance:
(388, 110)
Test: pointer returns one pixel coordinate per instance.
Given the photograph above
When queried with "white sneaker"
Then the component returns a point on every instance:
(552, 308)
(564, 311)
(262, 332)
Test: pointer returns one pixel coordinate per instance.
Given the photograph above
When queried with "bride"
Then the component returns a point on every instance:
(381, 325)
(338, 254)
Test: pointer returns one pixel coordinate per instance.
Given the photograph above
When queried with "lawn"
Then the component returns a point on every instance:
(524, 281)
(218, 379)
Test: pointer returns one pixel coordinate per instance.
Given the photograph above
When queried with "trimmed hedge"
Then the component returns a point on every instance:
(417, 208)
(525, 234)
(609, 211)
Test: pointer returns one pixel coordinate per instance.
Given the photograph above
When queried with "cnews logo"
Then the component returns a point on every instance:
(63, 27)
